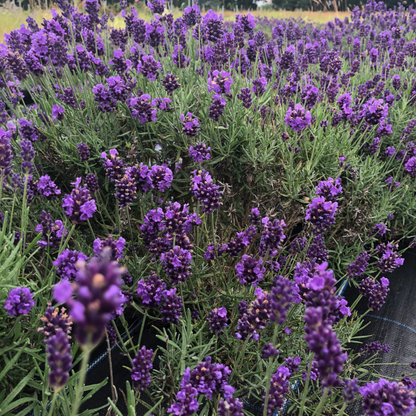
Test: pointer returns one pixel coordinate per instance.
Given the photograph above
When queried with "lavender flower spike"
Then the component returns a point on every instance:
(59, 359)
(98, 296)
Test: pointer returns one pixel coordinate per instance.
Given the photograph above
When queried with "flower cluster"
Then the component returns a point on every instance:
(19, 302)
(79, 206)
(98, 295)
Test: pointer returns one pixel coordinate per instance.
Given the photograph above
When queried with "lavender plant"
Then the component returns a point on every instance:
(225, 181)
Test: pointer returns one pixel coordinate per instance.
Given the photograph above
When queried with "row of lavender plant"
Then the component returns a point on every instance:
(227, 180)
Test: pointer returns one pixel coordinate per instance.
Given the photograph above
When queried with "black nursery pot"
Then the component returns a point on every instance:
(394, 324)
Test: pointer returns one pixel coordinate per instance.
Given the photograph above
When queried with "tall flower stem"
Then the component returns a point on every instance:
(269, 372)
(55, 394)
(341, 412)
(81, 380)
(305, 392)
(321, 404)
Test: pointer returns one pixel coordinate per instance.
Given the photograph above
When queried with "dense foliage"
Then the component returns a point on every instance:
(223, 180)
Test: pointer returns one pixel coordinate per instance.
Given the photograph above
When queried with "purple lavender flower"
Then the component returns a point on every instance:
(66, 263)
(281, 298)
(213, 26)
(79, 206)
(83, 151)
(105, 101)
(380, 229)
(357, 268)
(28, 154)
(314, 374)
(254, 216)
(292, 364)
(156, 6)
(297, 119)
(268, 351)
(329, 189)
(206, 191)
(375, 348)
(114, 166)
(141, 367)
(52, 232)
(152, 290)
(54, 321)
(247, 21)
(410, 166)
(259, 86)
(387, 398)
(6, 155)
(126, 189)
(171, 309)
(259, 313)
(390, 151)
(59, 359)
(230, 407)
(191, 15)
(245, 97)
(279, 387)
(141, 108)
(186, 403)
(376, 292)
(298, 245)
(199, 152)
(350, 390)
(19, 301)
(161, 177)
(216, 109)
(91, 182)
(321, 214)
(323, 342)
(218, 319)
(170, 83)
(116, 247)
(237, 244)
(190, 125)
(97, 297)
(271, 237)
(250, 270)
(149, 67)
(207, 378)
(58, 113)
(220, 82)
(390, 259)
(28, 131)
(375, 111)
(177, 264)
(47, 188)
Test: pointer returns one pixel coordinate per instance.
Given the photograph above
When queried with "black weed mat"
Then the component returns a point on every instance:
(394, 324)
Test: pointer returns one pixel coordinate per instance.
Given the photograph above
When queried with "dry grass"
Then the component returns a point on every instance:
(11, 18)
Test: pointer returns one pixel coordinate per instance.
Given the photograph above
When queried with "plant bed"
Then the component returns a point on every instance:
(225, 182)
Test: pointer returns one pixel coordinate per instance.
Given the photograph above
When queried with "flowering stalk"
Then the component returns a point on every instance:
(269, 372)
(305, 392)
(318, 410)
(80, 385)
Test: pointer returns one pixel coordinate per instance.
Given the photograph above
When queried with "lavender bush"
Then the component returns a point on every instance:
(224, 180)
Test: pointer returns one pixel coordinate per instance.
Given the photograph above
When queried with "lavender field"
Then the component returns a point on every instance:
(220, 181)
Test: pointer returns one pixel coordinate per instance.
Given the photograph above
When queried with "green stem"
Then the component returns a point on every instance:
(305, 392)
(269, 372)
(55, 394)
(64, 241)
(81, 381)
(341, 412)
(318, 410)
(142, 327)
